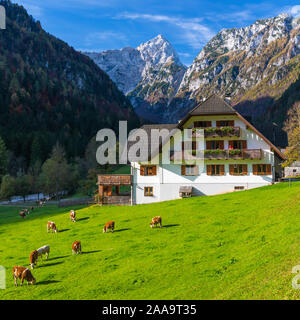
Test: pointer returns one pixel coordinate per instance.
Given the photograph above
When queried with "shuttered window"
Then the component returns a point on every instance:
(189, 170)
(215, 144)
(262, 169)
(238, 169)
(215, 169)
(225, 123)
(202, 124)
(148, 170)
(148, 191)
(237, 144)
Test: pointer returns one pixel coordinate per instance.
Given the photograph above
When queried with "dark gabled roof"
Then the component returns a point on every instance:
(213, 105)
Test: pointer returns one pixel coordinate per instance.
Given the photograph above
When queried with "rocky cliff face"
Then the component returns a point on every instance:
(150, 74)
(261, 60)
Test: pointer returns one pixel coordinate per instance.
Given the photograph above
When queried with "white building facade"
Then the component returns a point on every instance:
(236, 157)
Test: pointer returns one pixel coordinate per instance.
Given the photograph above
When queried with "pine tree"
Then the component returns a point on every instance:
(3, 158)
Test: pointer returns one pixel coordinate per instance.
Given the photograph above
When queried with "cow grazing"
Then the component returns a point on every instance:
(22, 214)
(155, 221)
(33, 258)
(43, 250)
(51, 226)
(73, 216)
(23, 273)
(109, 225)
(76, 247)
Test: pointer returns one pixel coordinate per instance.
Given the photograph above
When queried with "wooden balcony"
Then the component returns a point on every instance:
(216, 132)
(114, 179)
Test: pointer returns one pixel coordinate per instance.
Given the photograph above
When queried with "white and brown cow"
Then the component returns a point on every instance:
(73, 216)
(51, 226)
(23, 273)
(155, 221)
(109, 225)
(43, 250)
(76, 247)
(22, 214)
(38, 253)
(33, 258)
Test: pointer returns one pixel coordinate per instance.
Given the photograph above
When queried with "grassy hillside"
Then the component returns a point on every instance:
(241, 245)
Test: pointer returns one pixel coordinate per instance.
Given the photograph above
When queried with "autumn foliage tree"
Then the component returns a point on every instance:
(292, 127)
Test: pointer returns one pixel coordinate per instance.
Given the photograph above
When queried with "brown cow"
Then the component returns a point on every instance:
(51, 226)
(109, 225)
(73, 216)
(23, 274)
(33, 258)
(76, 247)
(155, 221)
(22, 214)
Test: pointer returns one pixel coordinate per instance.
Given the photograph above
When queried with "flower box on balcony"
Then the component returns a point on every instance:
(222, 132)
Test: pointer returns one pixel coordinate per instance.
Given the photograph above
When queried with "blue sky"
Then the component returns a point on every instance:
(96, 25)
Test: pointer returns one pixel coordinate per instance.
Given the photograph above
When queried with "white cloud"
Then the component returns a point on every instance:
(194, 33)
(295, 11)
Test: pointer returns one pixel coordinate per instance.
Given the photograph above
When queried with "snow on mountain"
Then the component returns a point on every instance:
(244, 63)
(149, 74)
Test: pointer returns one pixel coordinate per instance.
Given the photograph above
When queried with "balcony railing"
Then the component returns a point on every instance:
(235, 154)
(215, 132)
(112, 179)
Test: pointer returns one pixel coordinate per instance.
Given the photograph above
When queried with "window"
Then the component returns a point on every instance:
(148, 171)
(237, 188)
(148, 191)
(237, 144)
(262, 169)
(215, 170)
(189, 170)
(225, 123)
(238, 169)
(188, 144)
(216, 144)
(202, 124)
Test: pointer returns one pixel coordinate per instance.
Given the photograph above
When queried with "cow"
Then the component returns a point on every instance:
(23, 273)
(73, 216)
(155, 221)
(51, 226)
(76, 247)
(109, 225)
(22, 214)
(43, 250)
(33, 258)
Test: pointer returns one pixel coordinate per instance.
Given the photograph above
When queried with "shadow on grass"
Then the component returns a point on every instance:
(120, 230)
(82, 219)
(171, 225)
(87, 252)
(56, 258)
(63, 230)
(47, 282)
(49, 264)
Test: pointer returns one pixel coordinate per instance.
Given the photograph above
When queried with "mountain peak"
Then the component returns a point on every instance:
(158, 51)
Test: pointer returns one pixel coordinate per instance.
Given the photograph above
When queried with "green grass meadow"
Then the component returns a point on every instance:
(241, 245)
